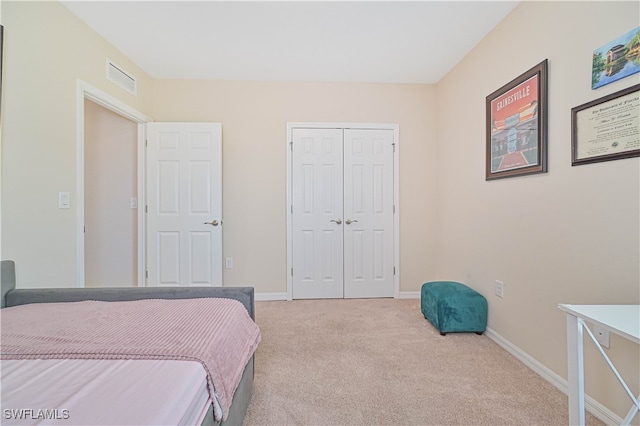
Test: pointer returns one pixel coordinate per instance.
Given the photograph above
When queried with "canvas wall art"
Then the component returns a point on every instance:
(617, 59)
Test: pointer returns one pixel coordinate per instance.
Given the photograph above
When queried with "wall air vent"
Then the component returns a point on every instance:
(119, 76)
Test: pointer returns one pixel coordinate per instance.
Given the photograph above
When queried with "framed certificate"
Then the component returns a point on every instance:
(607, 128)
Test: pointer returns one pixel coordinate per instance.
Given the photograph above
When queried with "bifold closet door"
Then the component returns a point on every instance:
(342, 213)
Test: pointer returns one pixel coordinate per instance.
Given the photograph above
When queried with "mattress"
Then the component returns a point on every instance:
(103, 392)
(217, 332)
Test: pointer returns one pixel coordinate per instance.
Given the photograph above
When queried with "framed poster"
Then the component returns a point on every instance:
(607, 128)
(517, 126)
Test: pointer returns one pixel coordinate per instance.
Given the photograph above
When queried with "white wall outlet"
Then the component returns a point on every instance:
(228, 262)
(602, 335)
(499, 288)
(133, 202)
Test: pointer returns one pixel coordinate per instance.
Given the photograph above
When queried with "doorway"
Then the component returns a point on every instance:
(200, 244)
(111, 198)
(85, 94)
(343, 222)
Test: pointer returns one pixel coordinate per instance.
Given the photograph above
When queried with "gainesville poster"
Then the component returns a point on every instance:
(514, 127)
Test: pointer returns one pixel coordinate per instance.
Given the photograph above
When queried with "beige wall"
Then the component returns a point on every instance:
(568, 236)
(254, 116)
(571, 235)
(110, 180)
(46, 50)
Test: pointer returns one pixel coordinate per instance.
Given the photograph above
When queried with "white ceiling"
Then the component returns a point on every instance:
(360, 41)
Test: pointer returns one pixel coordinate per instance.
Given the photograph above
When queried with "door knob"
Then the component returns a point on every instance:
(339, 221)
(349, 221)
(212, 223)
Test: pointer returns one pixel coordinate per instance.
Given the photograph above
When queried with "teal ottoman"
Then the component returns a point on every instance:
(453, 307)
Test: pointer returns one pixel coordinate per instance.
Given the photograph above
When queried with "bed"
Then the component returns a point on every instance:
(168, 376)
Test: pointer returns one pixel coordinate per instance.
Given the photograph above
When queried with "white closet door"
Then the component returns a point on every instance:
(368, 213)
(317, 213)
(184, 200)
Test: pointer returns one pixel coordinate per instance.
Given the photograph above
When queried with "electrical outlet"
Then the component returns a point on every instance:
(228, 262)
(602, 335)
(499, 288)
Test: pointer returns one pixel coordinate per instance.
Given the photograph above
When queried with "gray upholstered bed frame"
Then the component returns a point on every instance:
(13, 297)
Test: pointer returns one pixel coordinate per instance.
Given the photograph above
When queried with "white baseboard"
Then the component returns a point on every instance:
(261, 297)
(591, 405)
(408, 295)
(283, 296)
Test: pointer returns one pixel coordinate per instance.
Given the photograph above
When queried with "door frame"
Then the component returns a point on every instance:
(396, 192)
(87, 91)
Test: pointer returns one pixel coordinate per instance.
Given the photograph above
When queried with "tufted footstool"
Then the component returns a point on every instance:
(453, 307)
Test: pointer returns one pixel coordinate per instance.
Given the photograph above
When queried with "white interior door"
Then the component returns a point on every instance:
(342, 213)
(317, 213)
(184, 202)
(368, 213)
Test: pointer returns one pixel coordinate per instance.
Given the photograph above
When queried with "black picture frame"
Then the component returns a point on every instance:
(516, 126)
(606, 128)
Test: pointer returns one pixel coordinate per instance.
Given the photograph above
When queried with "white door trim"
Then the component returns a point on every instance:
(396, 193)
(87, 91)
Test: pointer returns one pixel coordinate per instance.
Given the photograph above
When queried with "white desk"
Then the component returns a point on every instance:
(623, 320)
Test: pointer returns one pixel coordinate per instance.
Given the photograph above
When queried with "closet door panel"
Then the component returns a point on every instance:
(317, 213)
(368, 213)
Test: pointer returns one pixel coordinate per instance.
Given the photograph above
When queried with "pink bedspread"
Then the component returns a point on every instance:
(219, 333)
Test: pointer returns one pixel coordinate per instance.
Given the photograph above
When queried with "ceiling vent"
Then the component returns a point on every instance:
(119, 76)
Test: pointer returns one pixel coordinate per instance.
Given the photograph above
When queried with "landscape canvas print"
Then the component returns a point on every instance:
(617, 59)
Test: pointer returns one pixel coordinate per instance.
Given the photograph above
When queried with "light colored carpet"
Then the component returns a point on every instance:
(379, 362)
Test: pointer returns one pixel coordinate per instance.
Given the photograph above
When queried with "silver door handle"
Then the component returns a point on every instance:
(349, 221)
(212, 223)
(339, 221)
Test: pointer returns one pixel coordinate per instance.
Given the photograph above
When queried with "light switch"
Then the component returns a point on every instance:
(63, 200)
(134, 203)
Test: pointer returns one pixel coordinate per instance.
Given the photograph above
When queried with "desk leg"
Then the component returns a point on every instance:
(632, 413)
(575, 364)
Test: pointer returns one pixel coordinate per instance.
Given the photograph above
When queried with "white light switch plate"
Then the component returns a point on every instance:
(64, 200)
